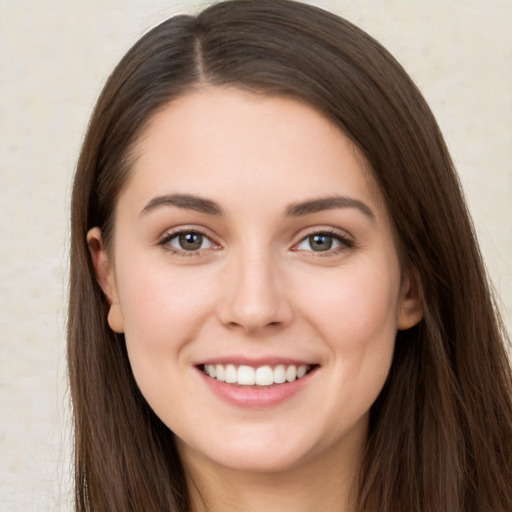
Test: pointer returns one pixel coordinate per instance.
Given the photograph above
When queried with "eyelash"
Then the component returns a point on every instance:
(344, 242)
(168, 237)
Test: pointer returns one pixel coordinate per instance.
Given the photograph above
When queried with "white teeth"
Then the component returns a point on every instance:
(260, 376)
(220, 372)
(245, 376)
(231, 374)
(301, 371)
(291, 373)
(264, 376)
(280, 374)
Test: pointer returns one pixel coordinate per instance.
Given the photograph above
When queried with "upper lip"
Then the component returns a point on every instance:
(255, 362)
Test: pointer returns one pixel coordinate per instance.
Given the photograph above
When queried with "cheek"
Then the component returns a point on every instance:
(163, 313)
(356, 316)
(357, 307)
(163, 310)
(156, 295)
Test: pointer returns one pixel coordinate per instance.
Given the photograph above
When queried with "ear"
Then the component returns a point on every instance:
(410, 309)
(106, 278)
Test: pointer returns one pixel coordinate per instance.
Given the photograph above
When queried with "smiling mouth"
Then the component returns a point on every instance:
(266, 375)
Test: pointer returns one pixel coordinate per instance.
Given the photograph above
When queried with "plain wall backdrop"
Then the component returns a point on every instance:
(54, 59)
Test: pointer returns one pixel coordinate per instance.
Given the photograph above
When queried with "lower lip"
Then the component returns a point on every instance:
(252, 397)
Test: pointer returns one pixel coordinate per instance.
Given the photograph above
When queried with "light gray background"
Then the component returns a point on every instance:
(54, 59)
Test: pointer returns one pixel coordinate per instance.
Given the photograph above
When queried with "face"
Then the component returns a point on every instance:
(255, 276)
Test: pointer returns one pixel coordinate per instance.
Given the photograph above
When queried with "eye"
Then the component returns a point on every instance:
(323, 242)
(187, 241)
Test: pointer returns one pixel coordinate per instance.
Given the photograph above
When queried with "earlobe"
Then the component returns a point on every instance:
(410, 310)
(106, 278)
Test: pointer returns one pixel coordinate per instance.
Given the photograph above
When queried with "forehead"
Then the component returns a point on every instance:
(237, 144)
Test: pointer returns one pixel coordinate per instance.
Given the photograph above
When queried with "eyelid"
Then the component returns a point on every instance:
(345, 239)
(169, 234)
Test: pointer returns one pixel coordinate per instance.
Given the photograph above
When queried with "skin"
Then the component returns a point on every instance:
(257, 288)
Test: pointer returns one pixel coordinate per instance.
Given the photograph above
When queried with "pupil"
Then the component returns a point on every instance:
(191, 241)
(320, 242)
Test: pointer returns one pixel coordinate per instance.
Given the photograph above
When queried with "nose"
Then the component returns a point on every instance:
(255, 297)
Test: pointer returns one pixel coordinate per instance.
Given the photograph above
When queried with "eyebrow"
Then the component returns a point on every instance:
(185, 201)
(328, 203)
(209, 207)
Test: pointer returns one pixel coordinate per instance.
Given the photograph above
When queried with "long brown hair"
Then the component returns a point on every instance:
(441, 429)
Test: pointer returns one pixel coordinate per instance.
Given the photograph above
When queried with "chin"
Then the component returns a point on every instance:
(253, 454)
(259, 460)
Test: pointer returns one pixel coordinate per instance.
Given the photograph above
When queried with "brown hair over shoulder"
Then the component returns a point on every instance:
(441, 429)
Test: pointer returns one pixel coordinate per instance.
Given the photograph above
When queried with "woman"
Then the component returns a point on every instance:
(276, 300)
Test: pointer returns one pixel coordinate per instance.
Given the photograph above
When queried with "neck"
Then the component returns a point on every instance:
(327, 483)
